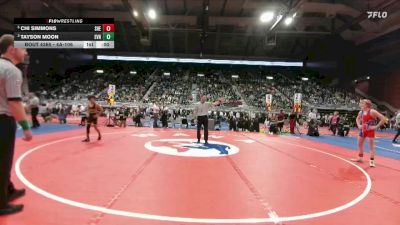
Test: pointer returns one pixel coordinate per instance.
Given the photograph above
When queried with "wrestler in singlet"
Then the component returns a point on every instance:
(367, 125)
(367, 120)
(93, 110)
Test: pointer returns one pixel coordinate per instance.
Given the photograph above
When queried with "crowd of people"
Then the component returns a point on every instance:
(255, 93)
(77, 87)
(183, 87)
(215, 85)
(172, 89)
(316, 94)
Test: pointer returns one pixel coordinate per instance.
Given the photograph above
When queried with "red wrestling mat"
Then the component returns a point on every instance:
(155, 176)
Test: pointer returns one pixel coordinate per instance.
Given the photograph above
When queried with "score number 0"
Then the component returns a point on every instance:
(108, 27)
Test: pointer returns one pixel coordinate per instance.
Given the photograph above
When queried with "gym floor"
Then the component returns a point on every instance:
(161, 176)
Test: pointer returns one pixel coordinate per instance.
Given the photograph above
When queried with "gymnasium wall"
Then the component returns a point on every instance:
(385, 87)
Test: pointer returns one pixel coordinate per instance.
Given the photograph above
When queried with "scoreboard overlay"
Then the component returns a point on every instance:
(83, 33)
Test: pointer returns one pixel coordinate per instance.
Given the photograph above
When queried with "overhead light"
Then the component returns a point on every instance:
(355, 81)
(294, 14)
(200, 75)
(304, 78)
(288, 21)
(167, 73)
(235, 76)
(266, 17)
(270, 78)
(132, 72)
(135, 13)
(99, 71)
(368, 78)
(152, 14)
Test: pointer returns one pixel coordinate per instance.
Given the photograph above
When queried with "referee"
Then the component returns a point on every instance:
(11, 110)
(201, 111)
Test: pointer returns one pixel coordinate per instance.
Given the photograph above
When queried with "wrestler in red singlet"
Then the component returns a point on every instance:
(366, 123)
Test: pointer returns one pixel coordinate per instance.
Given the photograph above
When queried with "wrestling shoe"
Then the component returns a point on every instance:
(15, 194)
(372, 163)
(359, 160)
(11, 209)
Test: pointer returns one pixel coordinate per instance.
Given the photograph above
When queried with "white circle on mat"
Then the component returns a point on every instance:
(140, 215)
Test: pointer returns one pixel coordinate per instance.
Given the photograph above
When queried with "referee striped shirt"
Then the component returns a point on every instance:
(201, 109)
(10, 85)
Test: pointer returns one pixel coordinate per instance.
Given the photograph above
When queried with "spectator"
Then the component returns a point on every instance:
(34, 107)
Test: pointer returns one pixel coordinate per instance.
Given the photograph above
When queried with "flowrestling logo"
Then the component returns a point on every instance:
(377, 14)
(189, 148)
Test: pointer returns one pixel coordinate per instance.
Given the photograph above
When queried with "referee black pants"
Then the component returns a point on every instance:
(202, 121)
(34, 114)
(7, 141)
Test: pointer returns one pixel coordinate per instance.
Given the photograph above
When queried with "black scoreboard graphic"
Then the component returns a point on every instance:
(84, 33)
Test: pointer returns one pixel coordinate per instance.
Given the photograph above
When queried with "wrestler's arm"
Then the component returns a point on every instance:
(382, 119)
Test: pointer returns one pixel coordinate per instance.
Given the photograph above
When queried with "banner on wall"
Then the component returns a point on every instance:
(111, 94)
(297, 103)
(268, 102)
(263, 128)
